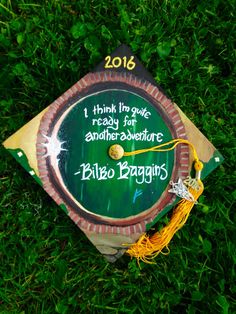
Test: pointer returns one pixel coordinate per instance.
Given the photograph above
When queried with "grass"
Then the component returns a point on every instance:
(46, 264)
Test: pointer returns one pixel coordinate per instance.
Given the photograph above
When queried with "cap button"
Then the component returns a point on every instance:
(116, 151)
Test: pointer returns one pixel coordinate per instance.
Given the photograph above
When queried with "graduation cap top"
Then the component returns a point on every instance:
(116, 154)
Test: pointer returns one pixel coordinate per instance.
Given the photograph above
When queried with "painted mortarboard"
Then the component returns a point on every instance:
(116, 154)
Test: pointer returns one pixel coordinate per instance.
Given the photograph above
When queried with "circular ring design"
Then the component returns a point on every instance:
(90, 83)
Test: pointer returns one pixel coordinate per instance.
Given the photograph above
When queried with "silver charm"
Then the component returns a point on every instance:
(181, 190)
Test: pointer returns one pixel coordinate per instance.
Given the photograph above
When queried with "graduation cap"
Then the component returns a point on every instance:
(116, 154)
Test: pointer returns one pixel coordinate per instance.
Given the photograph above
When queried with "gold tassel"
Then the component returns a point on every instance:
(148, 247)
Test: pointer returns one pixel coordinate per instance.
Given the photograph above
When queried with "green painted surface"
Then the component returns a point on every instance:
(103, 186)
(64, 208)
(212, 164)
(20, 156)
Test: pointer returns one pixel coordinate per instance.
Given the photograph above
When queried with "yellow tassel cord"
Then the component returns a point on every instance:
(148, 247)
(160, 148)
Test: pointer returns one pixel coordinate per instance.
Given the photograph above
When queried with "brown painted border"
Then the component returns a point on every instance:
(138, 223)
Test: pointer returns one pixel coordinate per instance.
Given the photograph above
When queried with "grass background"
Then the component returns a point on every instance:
(46, 264)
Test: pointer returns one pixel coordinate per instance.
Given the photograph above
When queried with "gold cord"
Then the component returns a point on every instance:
(148, 247)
